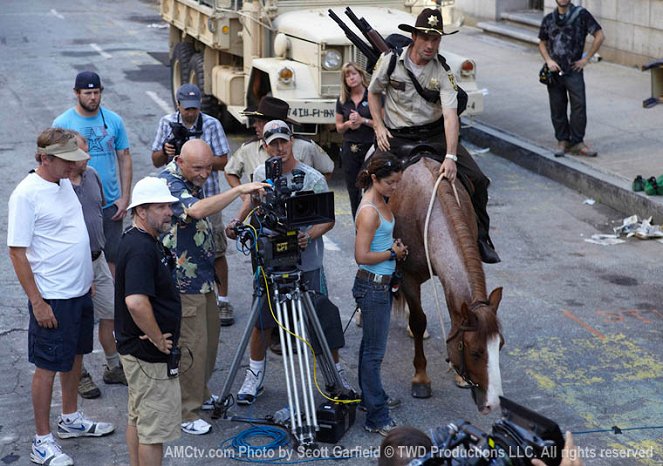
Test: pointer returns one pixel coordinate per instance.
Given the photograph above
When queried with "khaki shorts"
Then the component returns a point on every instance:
(104, 289)
(154, 401)
(219, 234)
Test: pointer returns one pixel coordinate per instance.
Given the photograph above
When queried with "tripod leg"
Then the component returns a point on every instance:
(239, 354)
(305, 371)
(286, 355)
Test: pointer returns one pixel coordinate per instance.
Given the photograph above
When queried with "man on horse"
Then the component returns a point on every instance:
(420, 108)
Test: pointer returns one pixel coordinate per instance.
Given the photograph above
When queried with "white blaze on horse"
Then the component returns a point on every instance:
(474, 339)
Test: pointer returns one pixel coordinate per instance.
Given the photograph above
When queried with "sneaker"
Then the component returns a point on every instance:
(392, 403)
(562, 147)
(87, 388)
(114, 375)
(384, 430)
(197, 427)
(226, 314)
(208, 404)
(342, 373)
(582, 150)
(82, 427)
(49, 452)
(251, 388)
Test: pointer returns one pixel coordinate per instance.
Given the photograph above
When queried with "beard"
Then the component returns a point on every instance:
(89, 107)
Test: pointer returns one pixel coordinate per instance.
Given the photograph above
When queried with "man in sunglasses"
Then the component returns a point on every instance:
(278, 140)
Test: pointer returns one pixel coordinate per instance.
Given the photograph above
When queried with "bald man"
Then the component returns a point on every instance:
(191, 240)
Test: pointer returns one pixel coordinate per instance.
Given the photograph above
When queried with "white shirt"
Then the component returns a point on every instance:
(47, 219)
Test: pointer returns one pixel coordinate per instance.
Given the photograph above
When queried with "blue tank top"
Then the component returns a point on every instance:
(382, 241)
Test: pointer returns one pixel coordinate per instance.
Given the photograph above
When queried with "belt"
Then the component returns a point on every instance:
(95, 255)
(428, 128)
(374, 277)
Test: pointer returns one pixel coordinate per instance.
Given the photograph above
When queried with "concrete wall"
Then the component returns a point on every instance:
(633, 28)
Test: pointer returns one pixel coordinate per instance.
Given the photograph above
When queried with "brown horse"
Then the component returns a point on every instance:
(474, 339)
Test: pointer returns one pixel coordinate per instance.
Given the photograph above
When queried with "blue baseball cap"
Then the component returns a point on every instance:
(188, 95)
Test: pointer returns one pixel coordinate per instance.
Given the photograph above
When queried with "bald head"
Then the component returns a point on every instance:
(195, 161)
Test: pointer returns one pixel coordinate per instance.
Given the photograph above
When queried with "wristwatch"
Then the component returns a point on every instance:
(452, 157)
(393, 254)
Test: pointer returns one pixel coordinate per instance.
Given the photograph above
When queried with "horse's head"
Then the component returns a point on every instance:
(474, 351)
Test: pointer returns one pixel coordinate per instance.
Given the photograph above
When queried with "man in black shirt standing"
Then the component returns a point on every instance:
(147, 323)
(562, 42)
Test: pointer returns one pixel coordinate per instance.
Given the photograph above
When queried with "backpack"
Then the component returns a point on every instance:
(398, 42)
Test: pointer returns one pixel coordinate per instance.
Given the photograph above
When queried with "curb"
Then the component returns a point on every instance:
(606, 188)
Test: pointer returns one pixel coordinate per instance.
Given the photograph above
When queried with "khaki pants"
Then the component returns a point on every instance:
(199, 339)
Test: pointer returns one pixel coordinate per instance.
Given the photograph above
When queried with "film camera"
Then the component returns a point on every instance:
(281, 212)
(516, 438)
(181, 134)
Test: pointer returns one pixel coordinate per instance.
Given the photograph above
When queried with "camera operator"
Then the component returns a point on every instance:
(194, 124)
(278, 140)
(147, 324)
(191, 239)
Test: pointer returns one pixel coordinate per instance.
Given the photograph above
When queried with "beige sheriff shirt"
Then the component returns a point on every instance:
(403, 106)
(252, 154)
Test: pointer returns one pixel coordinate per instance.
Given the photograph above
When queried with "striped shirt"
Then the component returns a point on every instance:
(213, 135)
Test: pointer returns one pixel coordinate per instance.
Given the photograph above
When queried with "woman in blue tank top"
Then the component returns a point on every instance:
(376, 253)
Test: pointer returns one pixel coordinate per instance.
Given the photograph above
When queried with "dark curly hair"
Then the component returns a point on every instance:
(381, 165)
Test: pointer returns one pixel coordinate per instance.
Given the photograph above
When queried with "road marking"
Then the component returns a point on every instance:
(55, 13)
(330, 245)
(100, 51)
(165, 106)
(583, 324)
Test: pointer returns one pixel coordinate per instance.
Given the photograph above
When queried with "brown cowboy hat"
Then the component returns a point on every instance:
(270, 108)
(429, 21)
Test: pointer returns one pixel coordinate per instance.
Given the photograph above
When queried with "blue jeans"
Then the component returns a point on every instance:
(568, 88)
(375, 303)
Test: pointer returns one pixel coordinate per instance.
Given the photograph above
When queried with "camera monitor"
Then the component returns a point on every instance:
(309, 208)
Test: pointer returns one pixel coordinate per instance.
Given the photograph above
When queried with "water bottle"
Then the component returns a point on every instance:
(282, 416)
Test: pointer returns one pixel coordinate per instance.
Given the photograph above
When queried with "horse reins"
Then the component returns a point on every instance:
(428, 262)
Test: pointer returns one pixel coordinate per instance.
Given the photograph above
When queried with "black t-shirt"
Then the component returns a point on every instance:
(364, 134)
(144, 267)
(565, 40)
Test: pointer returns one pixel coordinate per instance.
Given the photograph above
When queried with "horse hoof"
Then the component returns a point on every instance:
(421, 390)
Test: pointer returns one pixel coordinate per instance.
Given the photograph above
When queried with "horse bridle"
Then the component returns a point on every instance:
(462, 328)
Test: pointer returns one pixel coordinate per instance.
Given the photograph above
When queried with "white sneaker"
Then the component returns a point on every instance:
(82, 427)
(208, 404)
(197, 427)
(251, 388)
(49, 452)
(344, 379)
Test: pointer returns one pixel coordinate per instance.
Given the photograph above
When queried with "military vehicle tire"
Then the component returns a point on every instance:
(179, 67)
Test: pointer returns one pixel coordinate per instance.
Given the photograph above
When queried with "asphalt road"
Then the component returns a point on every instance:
(582, 322)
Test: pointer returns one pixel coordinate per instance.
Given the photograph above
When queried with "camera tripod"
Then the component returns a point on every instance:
(293, 308)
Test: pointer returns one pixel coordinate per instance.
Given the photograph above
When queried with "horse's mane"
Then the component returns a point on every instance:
(466, 242)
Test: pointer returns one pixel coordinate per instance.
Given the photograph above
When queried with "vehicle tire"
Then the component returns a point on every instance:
(210, 104)
(179, 67)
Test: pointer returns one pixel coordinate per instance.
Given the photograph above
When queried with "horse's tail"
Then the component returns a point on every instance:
(398, 304)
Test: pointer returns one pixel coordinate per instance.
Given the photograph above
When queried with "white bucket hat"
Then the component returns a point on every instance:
(151, 190)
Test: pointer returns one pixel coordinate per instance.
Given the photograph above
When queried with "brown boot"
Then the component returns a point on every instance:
(562, 148)
(582, 150)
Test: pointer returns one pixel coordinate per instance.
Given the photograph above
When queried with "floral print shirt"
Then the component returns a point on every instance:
(189, 239)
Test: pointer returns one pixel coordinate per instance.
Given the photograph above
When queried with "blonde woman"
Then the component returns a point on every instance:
(353, 121)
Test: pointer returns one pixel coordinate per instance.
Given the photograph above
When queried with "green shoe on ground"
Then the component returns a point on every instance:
(651, 186)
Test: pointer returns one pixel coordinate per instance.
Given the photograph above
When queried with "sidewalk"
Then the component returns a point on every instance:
(516, 122)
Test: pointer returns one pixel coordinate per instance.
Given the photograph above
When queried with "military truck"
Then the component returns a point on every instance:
(239, 51)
